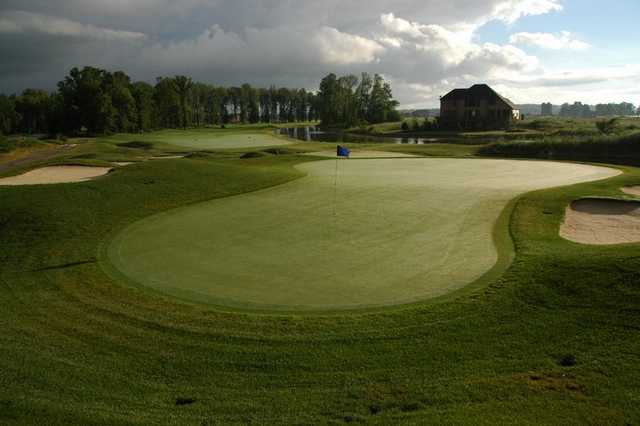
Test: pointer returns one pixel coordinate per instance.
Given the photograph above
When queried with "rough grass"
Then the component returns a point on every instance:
(11, 143)
(136, 145)
(534, 128)
(78, 348)
(611, 149)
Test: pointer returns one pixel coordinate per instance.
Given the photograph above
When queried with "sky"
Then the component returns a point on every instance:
(531, 51)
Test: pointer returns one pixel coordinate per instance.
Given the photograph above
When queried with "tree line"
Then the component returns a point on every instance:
(97, 101)
(348, 101)
(580, 110)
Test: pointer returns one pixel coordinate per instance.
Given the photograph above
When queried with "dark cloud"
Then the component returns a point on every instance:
(424, 46)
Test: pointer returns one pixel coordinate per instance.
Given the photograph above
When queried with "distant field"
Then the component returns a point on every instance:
(531, 127)
(390, 231)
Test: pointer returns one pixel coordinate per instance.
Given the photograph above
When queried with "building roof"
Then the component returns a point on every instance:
(476, 91)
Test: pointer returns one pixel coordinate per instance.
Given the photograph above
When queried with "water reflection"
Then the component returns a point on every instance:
(315, 134)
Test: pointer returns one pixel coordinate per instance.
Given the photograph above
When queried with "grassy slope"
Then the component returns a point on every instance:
(78, 348)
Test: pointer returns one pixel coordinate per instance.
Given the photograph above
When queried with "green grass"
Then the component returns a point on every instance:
(612, 149)
(532, 128)
(388, 232)
(11, 143)
(78, 347)
(208, 139)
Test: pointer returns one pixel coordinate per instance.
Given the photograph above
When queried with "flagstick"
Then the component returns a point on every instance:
(335, 187)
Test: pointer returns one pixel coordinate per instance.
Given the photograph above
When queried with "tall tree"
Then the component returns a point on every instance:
(167, 103)
(118, 88)
(183, 87)
(34, 106)
(145, 107)
(9, 118)
(87, 103)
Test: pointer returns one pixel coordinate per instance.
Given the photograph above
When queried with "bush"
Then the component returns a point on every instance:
(254, 154)
(405, 126)
(606, 127)
(620, 150)
(280, 151)
(136, 145)
(567, 361)
(540, 124)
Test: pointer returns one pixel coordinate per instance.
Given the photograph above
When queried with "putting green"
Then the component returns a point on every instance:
(203, 139)
(391, 231)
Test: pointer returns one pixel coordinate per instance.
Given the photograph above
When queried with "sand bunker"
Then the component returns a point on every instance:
(56, 174)
(602, 222)
(362, 154)
(632, 190)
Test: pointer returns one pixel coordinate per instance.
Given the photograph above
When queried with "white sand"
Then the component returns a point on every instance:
(123, 163)
(362, 154)
(632, 190)
(56, 174)
(602, 222)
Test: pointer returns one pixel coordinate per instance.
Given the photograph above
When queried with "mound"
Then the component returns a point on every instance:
(254, 154)
(56, 174)
(632, 190)
(602, 222)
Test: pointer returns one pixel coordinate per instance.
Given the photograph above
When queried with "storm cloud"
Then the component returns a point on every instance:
(424, 47)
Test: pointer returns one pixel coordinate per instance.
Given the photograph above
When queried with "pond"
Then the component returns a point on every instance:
(315, 134)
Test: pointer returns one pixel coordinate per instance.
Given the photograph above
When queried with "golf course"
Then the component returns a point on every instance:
(251, 284)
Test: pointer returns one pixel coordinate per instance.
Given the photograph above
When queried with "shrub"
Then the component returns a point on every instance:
(136, 145)
(185, 401)
(405, 126)
(606, 127)
(254, 154)
(567, 361)
(620, 149)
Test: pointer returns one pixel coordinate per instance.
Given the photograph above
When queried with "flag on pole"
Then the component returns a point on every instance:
(343, 152)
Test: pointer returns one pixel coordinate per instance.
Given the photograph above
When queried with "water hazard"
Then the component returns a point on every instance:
(315, 134)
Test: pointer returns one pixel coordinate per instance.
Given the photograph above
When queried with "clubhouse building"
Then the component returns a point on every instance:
(477, 108)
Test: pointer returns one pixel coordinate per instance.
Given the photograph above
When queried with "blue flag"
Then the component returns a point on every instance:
(343, 152)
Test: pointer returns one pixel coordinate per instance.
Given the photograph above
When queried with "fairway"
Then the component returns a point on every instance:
(211, 139)
(389, 231)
